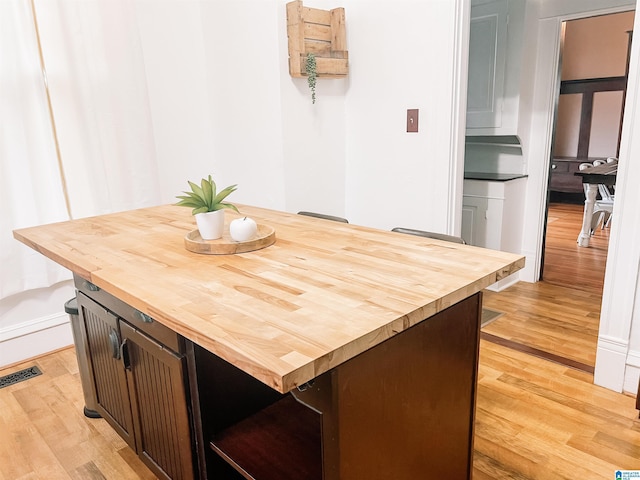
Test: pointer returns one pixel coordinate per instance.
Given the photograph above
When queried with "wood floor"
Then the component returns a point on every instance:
(565, 262)
(535, 418)
(560, 315)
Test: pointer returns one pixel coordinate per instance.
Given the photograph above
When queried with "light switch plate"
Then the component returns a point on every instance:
(412, 120)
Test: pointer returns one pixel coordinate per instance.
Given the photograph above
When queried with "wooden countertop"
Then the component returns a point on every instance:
(322, 294)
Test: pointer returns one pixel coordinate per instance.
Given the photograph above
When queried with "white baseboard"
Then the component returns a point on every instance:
(611, 361)
(632, 372)
(34, 338)
(631, 380)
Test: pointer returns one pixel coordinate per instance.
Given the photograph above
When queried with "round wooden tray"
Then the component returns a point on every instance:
(226, 246)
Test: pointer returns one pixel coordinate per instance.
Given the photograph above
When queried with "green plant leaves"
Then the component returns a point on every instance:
(224, 193)
(204, 198)
(196, 189)
(196, 211)
(312, 74)
(208, 191)
(228, 205)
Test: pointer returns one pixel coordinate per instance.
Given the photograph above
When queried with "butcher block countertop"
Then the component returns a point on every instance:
(321, 294)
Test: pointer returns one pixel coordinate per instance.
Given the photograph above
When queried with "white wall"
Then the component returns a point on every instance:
(253, 124)
(223, 103)
(631, 366)
(313, 135)
(401, 61)
(34, 322)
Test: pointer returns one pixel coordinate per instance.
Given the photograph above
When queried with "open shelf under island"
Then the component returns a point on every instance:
(339, 352)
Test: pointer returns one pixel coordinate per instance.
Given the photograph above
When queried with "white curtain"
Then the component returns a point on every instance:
(101, 111)
(98, 86)
(30, 187)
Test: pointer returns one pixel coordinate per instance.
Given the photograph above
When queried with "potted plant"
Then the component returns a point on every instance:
(208, 206)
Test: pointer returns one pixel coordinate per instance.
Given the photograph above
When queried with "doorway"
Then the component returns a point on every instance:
(588, 124)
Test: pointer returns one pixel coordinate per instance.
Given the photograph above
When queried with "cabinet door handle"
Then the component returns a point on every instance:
(144, 317)
(124, 350)
(115, 344)
(90, 286)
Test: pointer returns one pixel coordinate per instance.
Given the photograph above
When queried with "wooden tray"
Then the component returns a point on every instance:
(226, 246)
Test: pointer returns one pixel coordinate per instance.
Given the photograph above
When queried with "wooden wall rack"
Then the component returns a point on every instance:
(321, 32)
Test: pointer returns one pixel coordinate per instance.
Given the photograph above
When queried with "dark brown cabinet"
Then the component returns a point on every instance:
(403, 409)
(109, 379)
(139, 382)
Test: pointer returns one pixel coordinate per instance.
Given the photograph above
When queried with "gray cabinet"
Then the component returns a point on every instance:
(492, 216)
(495, 59)
(487, 54)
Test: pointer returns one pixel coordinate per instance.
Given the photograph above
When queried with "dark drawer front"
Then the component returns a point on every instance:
(560, 167)
(574, 167)
(138, 319)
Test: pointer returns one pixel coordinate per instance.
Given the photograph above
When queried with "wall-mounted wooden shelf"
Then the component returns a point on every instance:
(321, 32)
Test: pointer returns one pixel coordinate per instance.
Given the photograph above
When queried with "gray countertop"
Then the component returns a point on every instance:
(494, 177)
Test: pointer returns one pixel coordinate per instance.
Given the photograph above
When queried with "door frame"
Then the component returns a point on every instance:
(545, 98)
(614, 352)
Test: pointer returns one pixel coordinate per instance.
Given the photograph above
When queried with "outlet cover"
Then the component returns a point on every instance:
(412, 120)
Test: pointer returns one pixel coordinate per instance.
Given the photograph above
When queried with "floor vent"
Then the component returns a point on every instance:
(16, 377)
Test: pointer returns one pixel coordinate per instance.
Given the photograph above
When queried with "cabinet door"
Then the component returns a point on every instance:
(158, 399)
(109, 379)
(474, 220)
(487, 54)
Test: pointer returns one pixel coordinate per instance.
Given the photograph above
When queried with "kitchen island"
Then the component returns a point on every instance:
(338, 352)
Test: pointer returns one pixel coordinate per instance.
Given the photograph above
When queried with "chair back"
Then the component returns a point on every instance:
(326, 217)
(605, 193)
(423, 233)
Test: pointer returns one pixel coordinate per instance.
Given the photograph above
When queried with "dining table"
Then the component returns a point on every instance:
(604, 174)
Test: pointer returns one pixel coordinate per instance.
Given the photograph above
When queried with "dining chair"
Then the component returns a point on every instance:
(326, 217)
(423, 233)
(603, 208)
(605, 204)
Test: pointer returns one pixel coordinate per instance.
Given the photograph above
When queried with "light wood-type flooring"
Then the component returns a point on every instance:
(559, 316)
(565, 262)
(535, 418)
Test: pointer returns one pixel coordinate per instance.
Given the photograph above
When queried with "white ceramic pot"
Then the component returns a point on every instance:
(210, 224)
